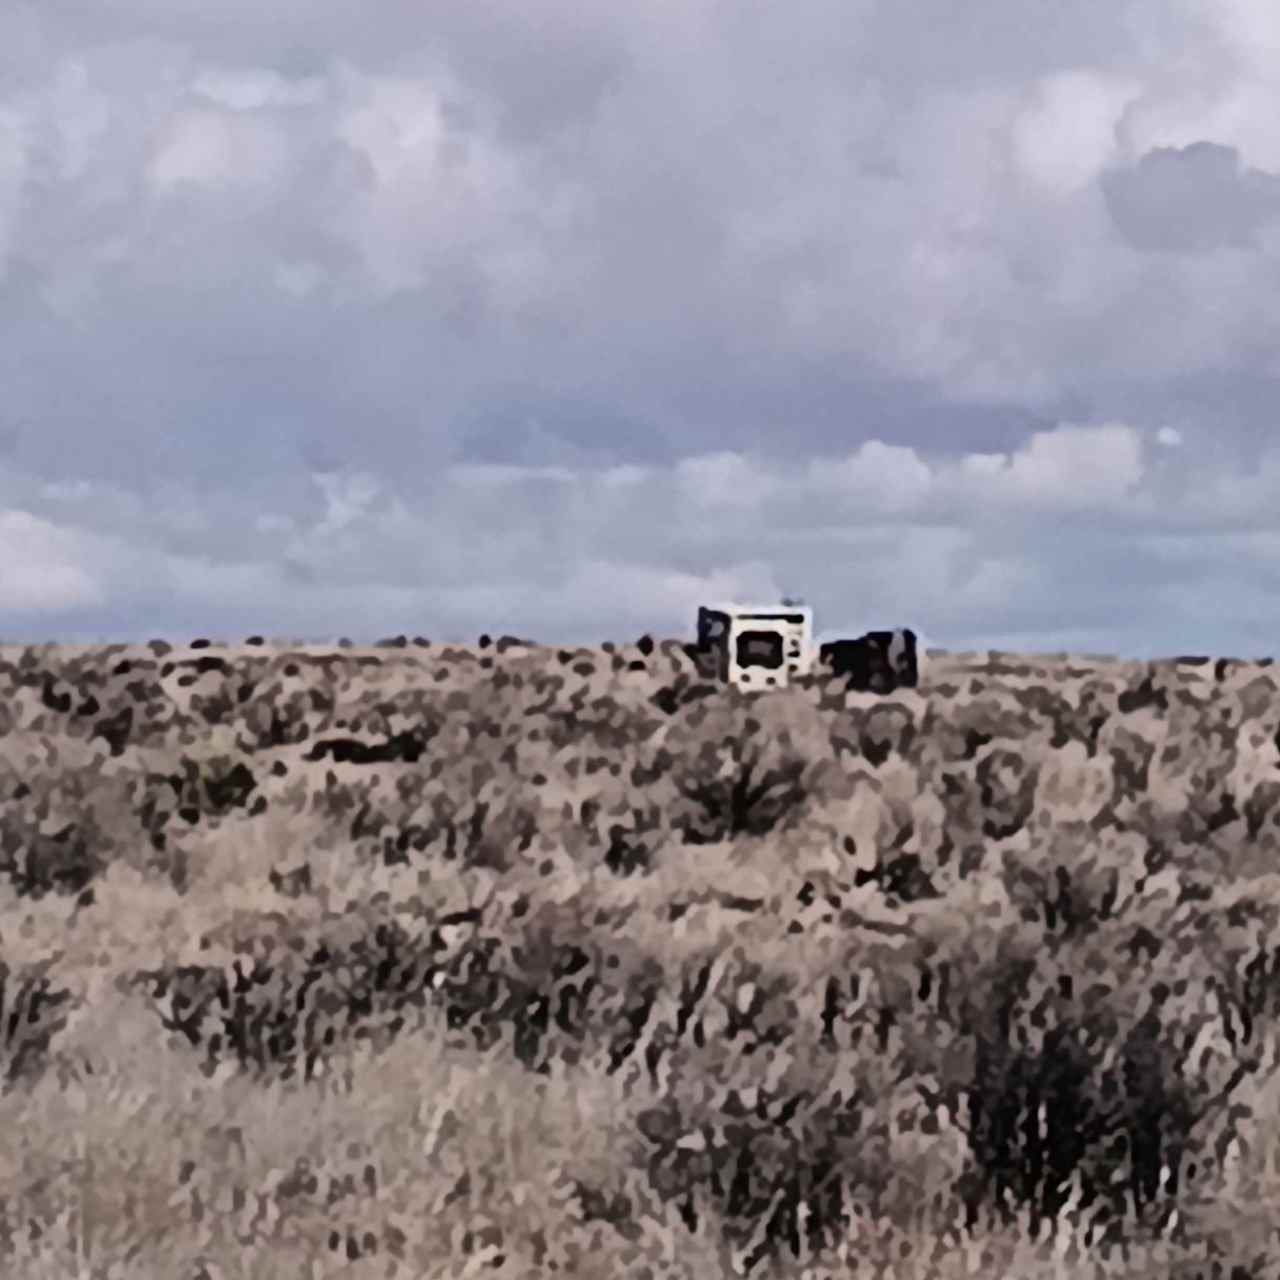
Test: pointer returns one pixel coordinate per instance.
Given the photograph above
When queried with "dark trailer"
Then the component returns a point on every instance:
(876, 662)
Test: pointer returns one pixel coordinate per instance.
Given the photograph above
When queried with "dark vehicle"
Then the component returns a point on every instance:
(877, 662)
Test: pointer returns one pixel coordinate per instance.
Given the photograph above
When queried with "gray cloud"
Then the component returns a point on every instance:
(1080, 536)
(1192, 199)
(249, 254)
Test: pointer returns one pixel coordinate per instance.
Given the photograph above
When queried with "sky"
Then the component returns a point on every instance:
(556, 319)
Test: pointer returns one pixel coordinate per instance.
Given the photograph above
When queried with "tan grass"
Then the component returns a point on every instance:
(430, 1157)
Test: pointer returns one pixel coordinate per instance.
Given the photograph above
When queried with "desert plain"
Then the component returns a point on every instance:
(437, 960)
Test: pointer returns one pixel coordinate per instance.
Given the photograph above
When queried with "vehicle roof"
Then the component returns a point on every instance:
(762, 610)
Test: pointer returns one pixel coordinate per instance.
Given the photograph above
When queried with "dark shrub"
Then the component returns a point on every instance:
(32, 1012)
(284, 1003)
(1068, 1087)
(631, 844)
(881, 731)
(484, 827)
(1262, 808)
(115, 730)
(210, 788)
(1007, 790)
(683, 691)
(774, 1176)
(38, 863)
(1141, 693)
(901, 876)
(757, 796)
(292, 884)
(407, 746)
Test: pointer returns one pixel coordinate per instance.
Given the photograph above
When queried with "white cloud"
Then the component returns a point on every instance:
(724, 479)
(624, 477)
(43, 568)
(216, 149)
(252, 89)
(758, 299)
(1169, 437)
(398, 124)
(1067, 135)
(441, 193)
(1055, 534)
(1070, 467)
(346, 498)
(983, 464)
(889, 478)
(586, 210)
(1082, 464)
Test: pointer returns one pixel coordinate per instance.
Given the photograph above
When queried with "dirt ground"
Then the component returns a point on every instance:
(428, 960)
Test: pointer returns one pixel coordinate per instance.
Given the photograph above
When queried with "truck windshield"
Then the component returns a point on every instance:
(760, 649)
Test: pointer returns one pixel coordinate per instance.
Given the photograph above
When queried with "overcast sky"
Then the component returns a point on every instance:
(323, 317)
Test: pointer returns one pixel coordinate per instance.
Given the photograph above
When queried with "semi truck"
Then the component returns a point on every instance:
(762, 647)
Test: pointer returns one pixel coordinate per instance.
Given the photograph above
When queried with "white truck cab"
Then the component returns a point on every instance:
(758, 647)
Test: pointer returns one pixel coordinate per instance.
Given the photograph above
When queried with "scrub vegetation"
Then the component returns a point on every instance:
(428, 960)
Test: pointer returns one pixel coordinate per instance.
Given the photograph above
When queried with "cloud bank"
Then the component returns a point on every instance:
(1076, 539)
(556, 320)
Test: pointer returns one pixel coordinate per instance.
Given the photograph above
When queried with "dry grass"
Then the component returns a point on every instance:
(424, 960)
